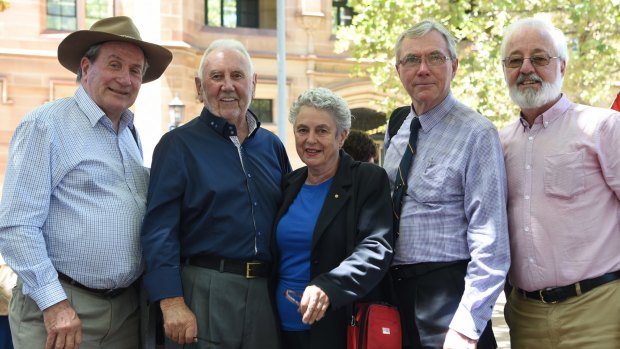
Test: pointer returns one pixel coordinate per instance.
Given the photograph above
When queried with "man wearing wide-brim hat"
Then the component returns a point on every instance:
(74, 198)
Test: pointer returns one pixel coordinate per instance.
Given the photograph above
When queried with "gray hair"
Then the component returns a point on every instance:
(323, 99)
(543, 27)
(422, 29)
(225, 43)
(93, 52)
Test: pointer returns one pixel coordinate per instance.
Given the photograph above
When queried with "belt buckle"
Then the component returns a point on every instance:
(248, 269)
(542, 297)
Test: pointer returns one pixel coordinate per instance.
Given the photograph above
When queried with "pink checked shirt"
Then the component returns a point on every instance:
(563, 195)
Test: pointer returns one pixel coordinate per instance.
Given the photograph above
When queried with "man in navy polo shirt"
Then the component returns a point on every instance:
(213, 195)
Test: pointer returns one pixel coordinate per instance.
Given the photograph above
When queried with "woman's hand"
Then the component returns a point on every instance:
(313, 305)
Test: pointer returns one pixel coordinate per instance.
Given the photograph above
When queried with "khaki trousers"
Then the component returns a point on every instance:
(112, 323)
(589, 321)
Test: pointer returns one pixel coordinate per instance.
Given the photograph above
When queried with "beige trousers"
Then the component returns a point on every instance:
(589, 321)
(106, 323)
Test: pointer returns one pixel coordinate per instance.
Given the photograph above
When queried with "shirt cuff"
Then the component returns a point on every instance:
(465, 323)
(163, 283)
(47, 295)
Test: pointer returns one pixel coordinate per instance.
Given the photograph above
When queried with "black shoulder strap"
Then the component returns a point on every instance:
(396, 119)
(135, 136)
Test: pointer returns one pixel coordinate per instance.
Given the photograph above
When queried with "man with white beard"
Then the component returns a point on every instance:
(563, 166)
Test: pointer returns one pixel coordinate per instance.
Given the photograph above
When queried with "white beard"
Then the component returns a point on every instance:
(530, 98)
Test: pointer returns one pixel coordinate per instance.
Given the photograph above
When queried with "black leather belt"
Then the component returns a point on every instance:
(247, 269)
(559, 294)
(408, 271)
(96, 291)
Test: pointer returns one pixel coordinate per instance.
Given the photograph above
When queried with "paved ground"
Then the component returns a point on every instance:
(499, 324)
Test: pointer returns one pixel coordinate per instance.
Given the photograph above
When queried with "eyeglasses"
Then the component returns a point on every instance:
(536, 60)
(433, 60)
(292, 296)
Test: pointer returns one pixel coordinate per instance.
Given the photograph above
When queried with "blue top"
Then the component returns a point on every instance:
(74, 197)
(294, 239)
(209, 195)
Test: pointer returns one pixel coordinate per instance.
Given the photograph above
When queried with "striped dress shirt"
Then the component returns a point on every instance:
(455, 205)
(73, 200)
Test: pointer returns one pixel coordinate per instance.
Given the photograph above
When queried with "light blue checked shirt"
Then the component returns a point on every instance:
(73, 201)
(455, 206)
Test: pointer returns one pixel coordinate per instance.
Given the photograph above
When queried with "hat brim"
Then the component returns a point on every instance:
(72, 49)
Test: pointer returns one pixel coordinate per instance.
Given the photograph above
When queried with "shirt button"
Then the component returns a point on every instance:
(531, 260)
(527, 167)
(527, 197)
(526, 228)
(530, 138)
(249, 175)
(255, 203)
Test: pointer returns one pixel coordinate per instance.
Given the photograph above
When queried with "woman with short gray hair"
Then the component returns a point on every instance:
(333, 238)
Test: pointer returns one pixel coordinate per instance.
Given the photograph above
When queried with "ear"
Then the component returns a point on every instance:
(84, 65)
(198, 88)
(343, 136)
(254, 85)
(455, 67)
(562, 67)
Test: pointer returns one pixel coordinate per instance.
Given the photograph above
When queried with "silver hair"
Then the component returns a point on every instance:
(93, 52)
(225, 43)
(422, 29)
(323, 99)
(543, 27)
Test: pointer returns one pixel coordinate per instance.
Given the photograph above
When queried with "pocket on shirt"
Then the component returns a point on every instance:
(429, 186)
(564, 175)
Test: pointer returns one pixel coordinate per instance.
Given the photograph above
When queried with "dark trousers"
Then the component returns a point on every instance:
(296, 340)
(428, 295)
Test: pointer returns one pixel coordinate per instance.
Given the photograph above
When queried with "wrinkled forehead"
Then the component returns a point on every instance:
(227, 59)
(528, 41)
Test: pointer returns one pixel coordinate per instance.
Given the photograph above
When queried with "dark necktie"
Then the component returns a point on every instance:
(400, 184)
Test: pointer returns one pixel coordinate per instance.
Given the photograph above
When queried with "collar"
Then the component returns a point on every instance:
(226, 129)
(95, 114)
(432, 117)
(550, 115)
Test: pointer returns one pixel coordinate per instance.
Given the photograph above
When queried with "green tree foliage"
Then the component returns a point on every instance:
(592, 28)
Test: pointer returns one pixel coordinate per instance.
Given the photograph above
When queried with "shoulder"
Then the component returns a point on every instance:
(471, 117)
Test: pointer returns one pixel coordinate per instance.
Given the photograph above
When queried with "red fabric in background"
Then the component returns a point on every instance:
(616, 104)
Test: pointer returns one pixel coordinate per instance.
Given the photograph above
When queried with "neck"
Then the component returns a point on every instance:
(318, 175)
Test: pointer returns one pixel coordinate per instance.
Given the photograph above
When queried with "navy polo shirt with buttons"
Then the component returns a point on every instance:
(210, 195)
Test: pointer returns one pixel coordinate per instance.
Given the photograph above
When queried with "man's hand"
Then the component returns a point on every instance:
(179, 321)
(313, 305)
(63, 326)
(455, 340)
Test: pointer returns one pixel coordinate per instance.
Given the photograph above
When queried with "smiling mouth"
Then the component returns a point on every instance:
(119, 92)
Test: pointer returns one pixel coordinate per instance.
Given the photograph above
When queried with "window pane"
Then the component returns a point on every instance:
(214, 13)
(61, 15)
(230, 13)
(247, 13)
(341, 14)
(263, 108)
(98, 9)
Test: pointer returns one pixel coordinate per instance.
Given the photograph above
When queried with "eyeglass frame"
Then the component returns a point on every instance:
(293, 296)
(426, 58)
(547, 57)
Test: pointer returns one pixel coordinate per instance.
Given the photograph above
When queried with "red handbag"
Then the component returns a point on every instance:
(374, 326)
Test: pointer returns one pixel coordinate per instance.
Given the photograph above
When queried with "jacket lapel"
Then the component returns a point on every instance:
(338, 195)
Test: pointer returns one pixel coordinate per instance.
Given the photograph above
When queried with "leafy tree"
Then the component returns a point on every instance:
(592, 28)
(4, 4)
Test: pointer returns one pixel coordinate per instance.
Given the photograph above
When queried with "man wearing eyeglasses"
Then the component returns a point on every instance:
(452, 254)
(563, 168)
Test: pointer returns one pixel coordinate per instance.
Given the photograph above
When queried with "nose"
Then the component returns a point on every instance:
(423, 68)
(124, 77)
(227, 84)
(527, 66)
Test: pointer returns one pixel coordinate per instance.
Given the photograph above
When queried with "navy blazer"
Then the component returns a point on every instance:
(352, 241)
